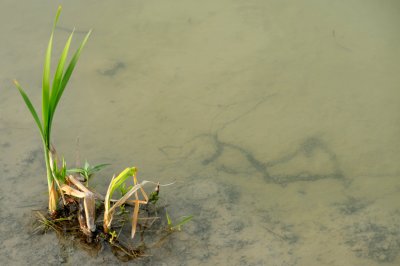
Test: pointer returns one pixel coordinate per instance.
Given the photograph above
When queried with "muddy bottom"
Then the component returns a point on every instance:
(277, 122)
(153, 230)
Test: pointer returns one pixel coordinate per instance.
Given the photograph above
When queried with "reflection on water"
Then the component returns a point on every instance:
(278, 121)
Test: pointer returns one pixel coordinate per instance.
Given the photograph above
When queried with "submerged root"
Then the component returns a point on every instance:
(124, 253)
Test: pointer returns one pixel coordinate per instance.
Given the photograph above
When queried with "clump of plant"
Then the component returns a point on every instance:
(51, 95)
(71, 201)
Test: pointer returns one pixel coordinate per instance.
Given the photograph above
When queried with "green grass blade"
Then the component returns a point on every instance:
(56, 18)
(182, 222)
(57, 81)
(60, 68)
(46, 87)
(30, 107)
(46, 83)
(168, 219)
(121, 178)
(70, 69)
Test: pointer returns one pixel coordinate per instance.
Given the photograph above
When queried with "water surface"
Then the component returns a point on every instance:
(278, 121)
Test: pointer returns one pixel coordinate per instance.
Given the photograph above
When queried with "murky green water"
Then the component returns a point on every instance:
(278, 120)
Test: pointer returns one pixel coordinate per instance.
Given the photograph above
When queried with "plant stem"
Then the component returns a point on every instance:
(53, 195)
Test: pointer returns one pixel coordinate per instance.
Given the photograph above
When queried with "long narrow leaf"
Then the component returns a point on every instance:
(60, 67)
(30, 107)
(107, 198)
(135, 217)
(70, 69)
(57, 81)
(46, 89)
(182, 222)
(46, 83)
(116, 182)
(168, 219)
(127, 195)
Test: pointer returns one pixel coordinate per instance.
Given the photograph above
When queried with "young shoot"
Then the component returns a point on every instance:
(51, 95)
(87, 171)
(177, 227)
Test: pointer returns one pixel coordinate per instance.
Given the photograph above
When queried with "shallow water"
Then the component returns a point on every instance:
(278, 121)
